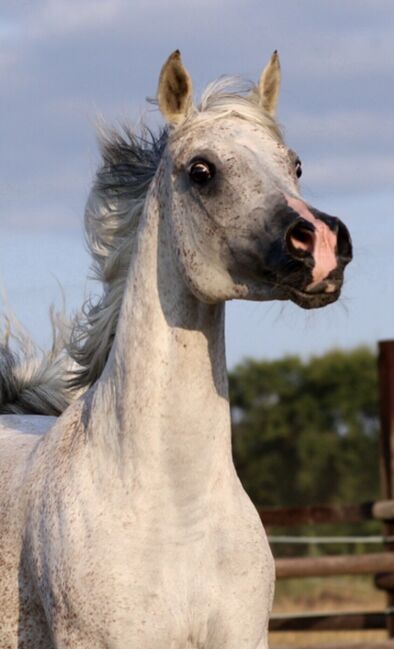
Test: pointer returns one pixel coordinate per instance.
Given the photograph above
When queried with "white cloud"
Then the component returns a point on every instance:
(68, 16)
(8, 60)
(355, 128)
(64, 17)
(349, 173)
(49, 216)
(350, 54)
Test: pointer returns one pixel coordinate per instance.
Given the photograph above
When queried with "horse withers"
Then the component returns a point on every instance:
(123, 523)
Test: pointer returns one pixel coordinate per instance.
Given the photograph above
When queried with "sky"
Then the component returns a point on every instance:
(65, 64)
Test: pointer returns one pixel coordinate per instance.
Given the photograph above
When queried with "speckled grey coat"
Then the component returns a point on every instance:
(125, 526)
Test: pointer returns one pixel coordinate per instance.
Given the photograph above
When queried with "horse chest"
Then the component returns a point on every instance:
(154, 586)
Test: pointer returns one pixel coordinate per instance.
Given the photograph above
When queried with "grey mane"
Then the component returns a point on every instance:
(112, 215)
(46, 383)
(31, 380)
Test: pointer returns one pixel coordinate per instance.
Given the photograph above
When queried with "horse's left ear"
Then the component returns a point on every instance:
(174, 93)
(269, 85)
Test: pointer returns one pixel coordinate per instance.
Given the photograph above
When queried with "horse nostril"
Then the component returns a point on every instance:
(344, 243)
(300, 239)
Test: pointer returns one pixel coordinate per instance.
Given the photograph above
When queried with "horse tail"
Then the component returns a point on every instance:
(33, 381)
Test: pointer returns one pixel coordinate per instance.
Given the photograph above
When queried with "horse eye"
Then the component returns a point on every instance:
(201, 172)
(298, 168)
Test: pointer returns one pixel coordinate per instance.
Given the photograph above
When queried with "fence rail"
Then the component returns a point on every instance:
(382, 510)
(330, 540)
(335, 621)
(345, 564)
(381, 564)
(383, 644)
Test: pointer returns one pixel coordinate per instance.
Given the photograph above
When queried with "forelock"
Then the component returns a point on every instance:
(231, 96)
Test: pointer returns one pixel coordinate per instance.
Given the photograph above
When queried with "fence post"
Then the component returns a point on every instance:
(386, 400)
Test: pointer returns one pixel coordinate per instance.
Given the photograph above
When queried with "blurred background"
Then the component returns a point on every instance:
(305, 417)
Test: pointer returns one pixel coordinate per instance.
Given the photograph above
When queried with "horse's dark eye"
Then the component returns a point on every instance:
(201, 172)
(298, 168)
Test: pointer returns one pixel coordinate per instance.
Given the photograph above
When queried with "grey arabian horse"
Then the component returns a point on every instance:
(123, 523)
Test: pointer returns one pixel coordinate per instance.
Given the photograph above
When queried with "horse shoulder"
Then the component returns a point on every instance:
(19, 435)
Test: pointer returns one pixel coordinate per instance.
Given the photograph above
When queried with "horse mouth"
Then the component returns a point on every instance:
(317, 298)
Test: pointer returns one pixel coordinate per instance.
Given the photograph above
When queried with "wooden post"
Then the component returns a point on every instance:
(386, 399)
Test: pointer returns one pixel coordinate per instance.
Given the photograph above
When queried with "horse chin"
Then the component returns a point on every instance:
(313, 300)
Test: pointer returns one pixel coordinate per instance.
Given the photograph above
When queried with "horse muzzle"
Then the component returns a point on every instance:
(320, 247)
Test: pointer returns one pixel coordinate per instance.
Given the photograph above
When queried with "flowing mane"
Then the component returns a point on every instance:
(111, 219)
(114, 207)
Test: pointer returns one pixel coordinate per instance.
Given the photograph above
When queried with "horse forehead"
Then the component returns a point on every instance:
(231, 134)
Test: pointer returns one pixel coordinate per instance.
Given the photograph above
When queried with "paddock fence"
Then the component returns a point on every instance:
(378, 564)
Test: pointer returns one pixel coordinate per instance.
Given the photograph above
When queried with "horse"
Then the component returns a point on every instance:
(123, 522)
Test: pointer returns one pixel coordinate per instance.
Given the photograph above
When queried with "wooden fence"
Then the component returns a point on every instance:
(381, 564)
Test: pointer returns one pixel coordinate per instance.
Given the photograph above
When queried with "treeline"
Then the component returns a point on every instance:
(307, 432)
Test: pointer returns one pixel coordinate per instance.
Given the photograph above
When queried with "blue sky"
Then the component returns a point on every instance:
(64, 63)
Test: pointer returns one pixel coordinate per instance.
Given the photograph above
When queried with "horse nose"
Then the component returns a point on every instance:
(321, 241)
(344, 248)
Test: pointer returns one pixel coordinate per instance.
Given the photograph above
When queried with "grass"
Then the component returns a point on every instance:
(328, 594)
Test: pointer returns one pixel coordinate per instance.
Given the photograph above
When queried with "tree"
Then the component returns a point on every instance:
(307, 432)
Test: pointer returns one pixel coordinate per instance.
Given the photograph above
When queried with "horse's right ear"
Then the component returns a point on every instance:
(269, 85)
(174, 94)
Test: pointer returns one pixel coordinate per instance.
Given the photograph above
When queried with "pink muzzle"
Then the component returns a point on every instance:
(320, 241)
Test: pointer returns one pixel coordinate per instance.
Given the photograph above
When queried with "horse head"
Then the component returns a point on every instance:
(240, 226)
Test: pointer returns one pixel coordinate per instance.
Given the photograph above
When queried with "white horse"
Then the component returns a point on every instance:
(123, 523)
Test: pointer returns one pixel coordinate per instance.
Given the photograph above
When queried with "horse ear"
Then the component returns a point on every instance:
(174, 93)
(269, 85)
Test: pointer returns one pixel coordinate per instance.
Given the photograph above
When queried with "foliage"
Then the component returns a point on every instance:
(307, 432)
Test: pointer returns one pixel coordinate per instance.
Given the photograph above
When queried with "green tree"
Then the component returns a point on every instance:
(307, 432)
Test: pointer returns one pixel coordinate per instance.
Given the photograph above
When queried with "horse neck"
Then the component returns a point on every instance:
(161, 411)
